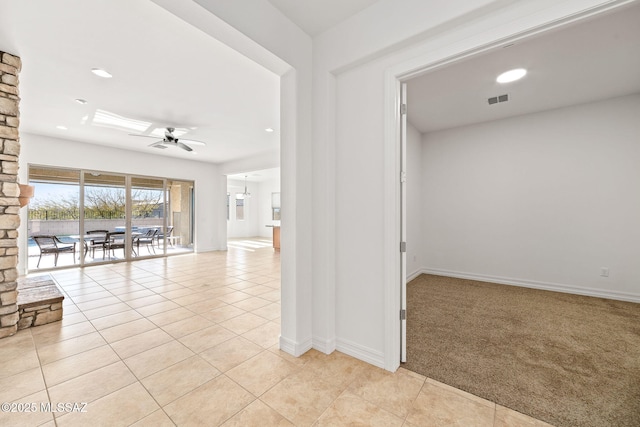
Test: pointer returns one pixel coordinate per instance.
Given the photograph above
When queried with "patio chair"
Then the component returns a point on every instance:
(146, 239)
(49, 244)
(97, 243)
(160, 235)
(112, 241)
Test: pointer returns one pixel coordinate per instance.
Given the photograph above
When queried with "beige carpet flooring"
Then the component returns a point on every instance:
(565, 359)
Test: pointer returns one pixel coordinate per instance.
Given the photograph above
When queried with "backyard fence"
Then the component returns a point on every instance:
(72, 226)
(74, 214)
(57, 214)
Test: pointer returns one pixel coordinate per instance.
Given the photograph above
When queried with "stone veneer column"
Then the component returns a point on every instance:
(9, 191)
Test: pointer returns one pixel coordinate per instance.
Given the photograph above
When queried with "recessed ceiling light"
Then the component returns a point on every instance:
(511, 75)
(81, 101)
(101, 73)
(61, 127)
(268, 130)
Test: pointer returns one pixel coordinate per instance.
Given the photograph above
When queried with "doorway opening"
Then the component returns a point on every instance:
(253, 209)
(466, 196)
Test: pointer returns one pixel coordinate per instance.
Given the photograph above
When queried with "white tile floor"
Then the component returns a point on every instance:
(192, 340)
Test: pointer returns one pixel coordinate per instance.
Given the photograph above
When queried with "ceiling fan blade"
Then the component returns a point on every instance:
(158, 144)
(145, 136)
(184, 146)
(192, 141)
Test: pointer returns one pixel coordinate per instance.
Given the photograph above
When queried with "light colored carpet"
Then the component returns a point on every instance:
(566, 359)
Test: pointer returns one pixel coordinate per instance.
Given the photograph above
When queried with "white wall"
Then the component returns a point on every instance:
(542, 200)
(247, 227)
(209, 183)
(257, 209)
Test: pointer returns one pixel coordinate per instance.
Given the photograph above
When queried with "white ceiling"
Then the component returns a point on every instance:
(165, 73)
(316, 16)
(256, 176)
(593, 60)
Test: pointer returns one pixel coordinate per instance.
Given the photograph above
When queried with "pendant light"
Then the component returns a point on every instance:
(246, 193)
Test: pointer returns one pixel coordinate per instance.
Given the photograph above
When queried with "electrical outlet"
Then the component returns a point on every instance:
(604, 271)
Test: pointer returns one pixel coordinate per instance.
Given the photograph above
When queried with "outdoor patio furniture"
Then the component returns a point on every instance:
(49, 244)
(160, 236)
(97, 243)
(145, 239)
(114, 240)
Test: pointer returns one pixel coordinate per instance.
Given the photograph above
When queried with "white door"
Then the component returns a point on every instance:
(403, 222)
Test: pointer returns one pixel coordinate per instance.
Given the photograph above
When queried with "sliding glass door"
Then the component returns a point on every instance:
(105, 217)
(147, 215)
(54, 210)
(105, 207)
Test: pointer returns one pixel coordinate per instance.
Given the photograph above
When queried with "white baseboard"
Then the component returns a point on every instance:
(294, 348)
(200, 250)
(415, 274)
(547, 286)
(363, 353)
(326, 346)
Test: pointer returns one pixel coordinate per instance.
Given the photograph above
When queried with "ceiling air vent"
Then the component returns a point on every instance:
(499, 98)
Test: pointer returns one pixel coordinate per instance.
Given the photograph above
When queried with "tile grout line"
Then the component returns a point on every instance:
(263, 393)
(44, 379)
(138, 380)
(156, 326)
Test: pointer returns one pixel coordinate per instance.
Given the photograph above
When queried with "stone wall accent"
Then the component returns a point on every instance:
(10, 66)
(39, 301)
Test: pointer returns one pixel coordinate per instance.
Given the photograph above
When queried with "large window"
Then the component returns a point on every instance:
(275, 206)
(239, 207)
(105, 217)
(105, 207)
(147, 214)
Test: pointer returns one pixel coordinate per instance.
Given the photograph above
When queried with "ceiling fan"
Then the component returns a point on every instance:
(170, 140)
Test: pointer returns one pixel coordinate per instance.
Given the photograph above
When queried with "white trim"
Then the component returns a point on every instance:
(425, 63)
(391, 262)
(363, 353)
(294, 348)
(324, 232)
(415, 274)
(534, 284)
(326, 346)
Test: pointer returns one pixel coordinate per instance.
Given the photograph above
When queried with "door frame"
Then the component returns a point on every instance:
(403, 222)
(394, 78)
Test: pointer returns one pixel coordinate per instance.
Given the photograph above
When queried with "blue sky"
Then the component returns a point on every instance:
(45, 192)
